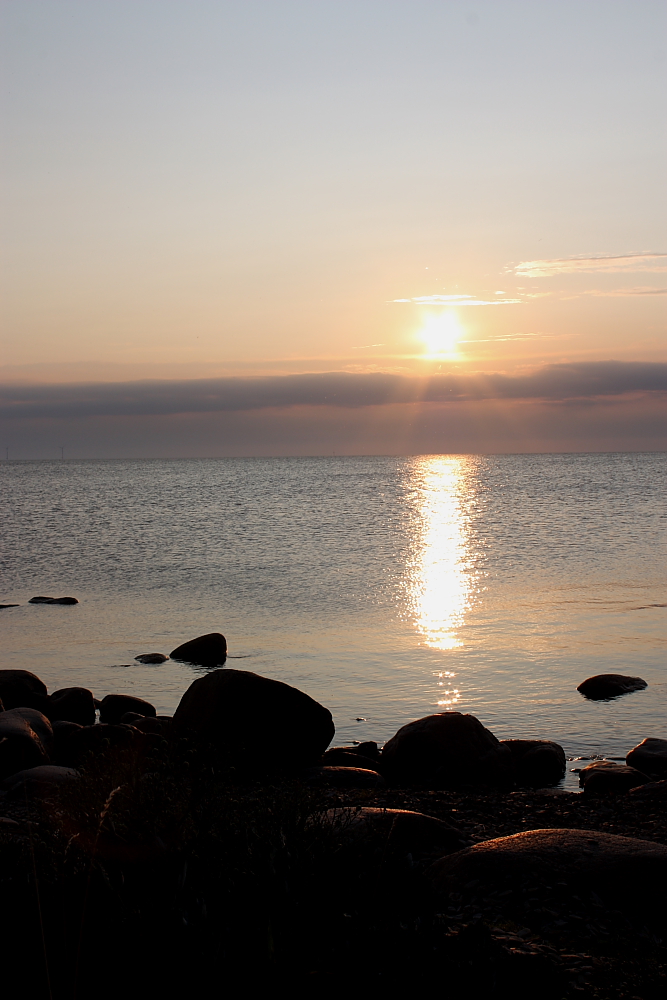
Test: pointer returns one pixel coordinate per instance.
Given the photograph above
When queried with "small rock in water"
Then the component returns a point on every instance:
(53, 600)
(604, 777)
(537, 762)
(151, 658)
(609, 686)
(8, 606)
(205, 650)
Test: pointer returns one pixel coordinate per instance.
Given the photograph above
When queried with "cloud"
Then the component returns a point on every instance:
(458, 300)
(625, 292)
(339, 390)
(641, 261)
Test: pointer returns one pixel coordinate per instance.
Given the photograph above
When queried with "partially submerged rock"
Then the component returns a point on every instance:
(604, 686)
(649, 757)
(205, 650)
(114, 706)
(259, 721)
(622, 869)
(446, 751)
(151, 658)
(53, 600)
(537, 763)
(605, 777)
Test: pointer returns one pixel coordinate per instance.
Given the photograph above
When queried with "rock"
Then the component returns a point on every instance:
(61, 732)
(339, 757)
(114, 707)
(22, 689)
(75, 704)
(53, 600)
(257, 720)
(609, 686)
(403, 829)
(344, 777)
(26, 740)
(160, 725)
(649, 757)
(78, 746)
(8, 606)
(620, 869)
(604, 777)
(151, 658)
(130, 718)
(446, 751)
(38, 782)
(537, 763)
(205, 650)
(652, 790)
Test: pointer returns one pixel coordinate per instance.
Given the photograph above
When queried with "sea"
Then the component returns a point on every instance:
(386, 588)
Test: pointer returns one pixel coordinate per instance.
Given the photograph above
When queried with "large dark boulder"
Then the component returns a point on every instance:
(38, 782)
(206, 650)
(22, 689)
(75, 704)
(620, 869)
(114, 706)
(649, 757)
(256, 720)
(605, 777)
(26, 740)
(446, 751)
(89, 741)
(604, 686)
(537, 763)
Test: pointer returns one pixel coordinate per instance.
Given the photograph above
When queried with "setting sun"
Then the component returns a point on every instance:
(440, 334)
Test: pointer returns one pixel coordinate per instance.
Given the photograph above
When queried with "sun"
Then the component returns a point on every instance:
(440, 334)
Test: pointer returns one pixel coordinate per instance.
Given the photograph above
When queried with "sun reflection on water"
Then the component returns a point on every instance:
(441, 581)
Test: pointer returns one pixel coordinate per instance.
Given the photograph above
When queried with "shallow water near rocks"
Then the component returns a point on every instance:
(387, 588)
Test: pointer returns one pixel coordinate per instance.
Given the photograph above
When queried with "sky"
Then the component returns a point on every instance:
(274, 227)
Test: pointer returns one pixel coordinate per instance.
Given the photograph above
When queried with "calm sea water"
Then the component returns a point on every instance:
(386, 588)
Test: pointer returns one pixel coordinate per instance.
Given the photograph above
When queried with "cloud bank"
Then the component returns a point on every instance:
(556, 382)
(641, 261)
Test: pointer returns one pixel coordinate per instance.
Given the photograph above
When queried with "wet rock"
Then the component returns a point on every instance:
(22, 689)
(651, 790)
(255, 719)
(446, 751)
(609, 686)
(341, 757)
(402, 829)
(151, 658)
(205, 650)
(537, 763)
(26, 740)
(620, 869)
(344, 777)
(38, 782)
(79, 745)
(8, 606)
(53, 600)
(649, 757)
(74, 704)
(114, 706)
(605, 777)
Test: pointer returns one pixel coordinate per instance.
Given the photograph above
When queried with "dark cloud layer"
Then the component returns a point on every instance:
(583, 380)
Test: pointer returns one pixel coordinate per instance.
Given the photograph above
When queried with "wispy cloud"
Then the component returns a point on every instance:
(640, 261)
(458, 300)
(624, 292)
(582, 380)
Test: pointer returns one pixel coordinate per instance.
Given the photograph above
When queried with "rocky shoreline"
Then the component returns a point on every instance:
(232, 844)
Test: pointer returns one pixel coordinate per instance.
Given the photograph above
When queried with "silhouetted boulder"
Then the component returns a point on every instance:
(74, 704)
(205, 650)
(446, 751)
(257, 720)
(22, 689)
(620, 869)
(114, 706)
(344, 777)
(62, 730)
(53, 600)
(537, 763)
(649, 757)
(652, 790)
(80, 744)
(401, 829)
(26, 740)
(161, 725)
(151, 658)
(605, 777)
(38, 782)
(609, 686)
